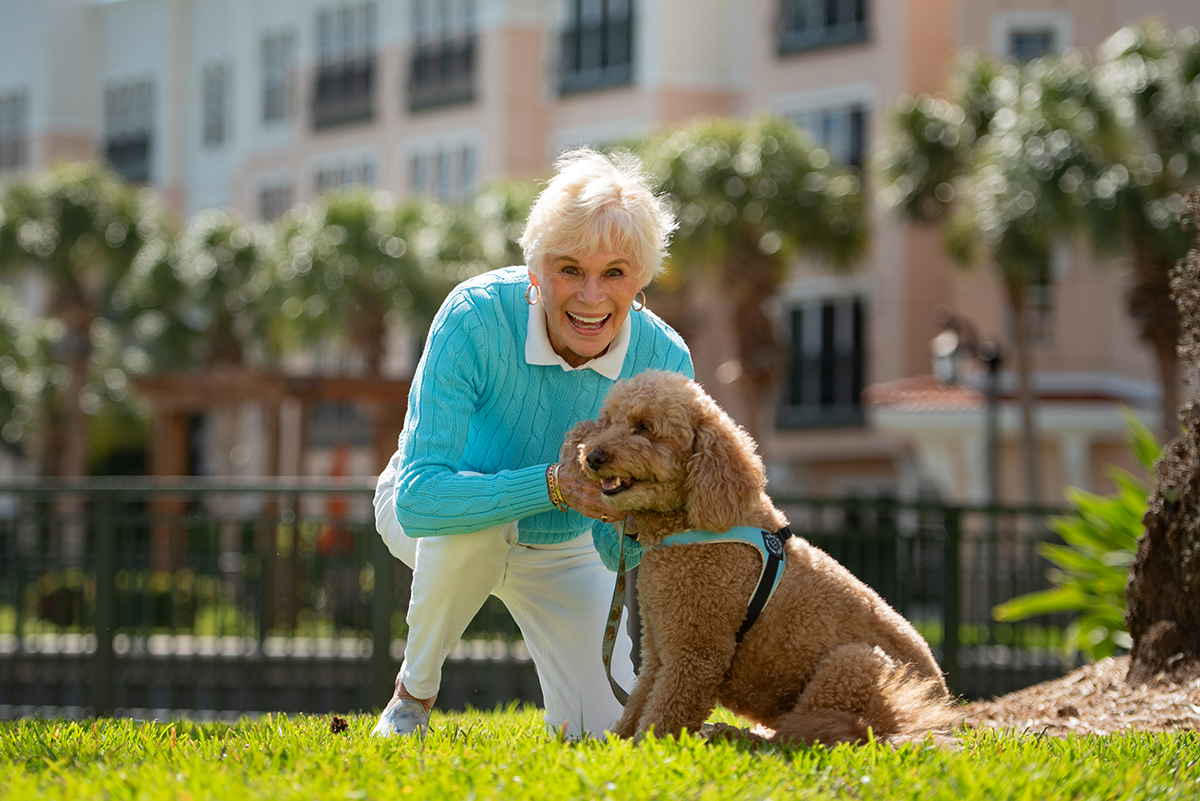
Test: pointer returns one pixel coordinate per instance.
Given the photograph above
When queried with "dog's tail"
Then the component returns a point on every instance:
(911, 707)
(902, 706)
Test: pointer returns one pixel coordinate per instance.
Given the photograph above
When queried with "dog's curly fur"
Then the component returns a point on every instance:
(827, 661)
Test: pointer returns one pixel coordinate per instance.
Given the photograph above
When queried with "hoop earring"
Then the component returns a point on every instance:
(636, 306)
(532, 295)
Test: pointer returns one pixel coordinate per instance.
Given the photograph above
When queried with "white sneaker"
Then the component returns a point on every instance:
(402, 717)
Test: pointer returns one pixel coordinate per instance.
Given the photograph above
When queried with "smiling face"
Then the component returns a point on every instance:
(586, 300)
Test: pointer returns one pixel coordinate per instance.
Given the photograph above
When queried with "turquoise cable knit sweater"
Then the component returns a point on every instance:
(477, 407)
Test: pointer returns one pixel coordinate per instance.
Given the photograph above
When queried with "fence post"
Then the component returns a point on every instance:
(383, 601)
(106, 606)
(950, 596)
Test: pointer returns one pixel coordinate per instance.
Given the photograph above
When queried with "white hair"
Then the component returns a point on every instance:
(596, 202)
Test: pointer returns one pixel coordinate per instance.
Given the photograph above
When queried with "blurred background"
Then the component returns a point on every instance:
(923, 257)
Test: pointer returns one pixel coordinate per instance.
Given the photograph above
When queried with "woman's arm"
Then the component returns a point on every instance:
(432, 497)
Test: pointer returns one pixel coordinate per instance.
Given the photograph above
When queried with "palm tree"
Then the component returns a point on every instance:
(465, 240)
(498, 215)
(750, 195)
(355, 262)
(1150, 75)
(27, 380)
(205, 301)
(347, 263)
(81, 230)
(1005, 167)
(1138, 156)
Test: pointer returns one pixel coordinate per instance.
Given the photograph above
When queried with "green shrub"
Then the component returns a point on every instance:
(1092, 566)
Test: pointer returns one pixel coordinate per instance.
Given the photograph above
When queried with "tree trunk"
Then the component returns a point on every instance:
(1150, 305)
(752, 278)
(673, 304)
(1163, 592)
(1025, 394)
(368, 330)
(223, 349)
(75, 349)
(71, 305)
(73, 461)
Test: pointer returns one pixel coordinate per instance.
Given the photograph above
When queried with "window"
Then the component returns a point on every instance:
(215, 90)
(808, 24)
(841, 131)
(443, 61)
(14, 130)
(274, 198)
(345, 64)
(446, 173)
(1027, 44)
(278, 55)
(128, 128)
(597, 45)
(1027, 34)
(355, 171)
(826, 366)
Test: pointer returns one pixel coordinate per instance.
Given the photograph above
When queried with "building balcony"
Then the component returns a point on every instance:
(344, 93)
(596, 57)
(812, 24)
(443, 74)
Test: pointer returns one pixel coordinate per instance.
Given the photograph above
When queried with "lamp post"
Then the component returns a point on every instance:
(958, 342)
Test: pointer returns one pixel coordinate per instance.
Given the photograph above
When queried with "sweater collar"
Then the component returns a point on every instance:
(539, 351)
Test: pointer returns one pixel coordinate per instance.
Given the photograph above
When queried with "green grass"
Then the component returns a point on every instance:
(508, 754)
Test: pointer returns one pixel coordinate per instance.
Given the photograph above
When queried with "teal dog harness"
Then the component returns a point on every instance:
(770, 548)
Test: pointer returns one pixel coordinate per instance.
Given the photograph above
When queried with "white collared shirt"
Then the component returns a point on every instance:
(538, 349)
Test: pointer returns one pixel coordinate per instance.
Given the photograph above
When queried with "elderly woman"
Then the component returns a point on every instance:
(472, 500)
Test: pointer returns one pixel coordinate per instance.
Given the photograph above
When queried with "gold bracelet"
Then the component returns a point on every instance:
(556, 496)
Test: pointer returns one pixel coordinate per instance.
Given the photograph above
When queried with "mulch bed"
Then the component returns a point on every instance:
(1095, 699)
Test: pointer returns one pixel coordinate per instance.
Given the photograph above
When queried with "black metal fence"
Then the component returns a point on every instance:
(150, 599)
(945, 568)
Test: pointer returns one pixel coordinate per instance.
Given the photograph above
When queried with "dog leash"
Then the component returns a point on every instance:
(614, 618)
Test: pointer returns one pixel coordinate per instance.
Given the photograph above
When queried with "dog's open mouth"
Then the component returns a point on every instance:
(615, 485)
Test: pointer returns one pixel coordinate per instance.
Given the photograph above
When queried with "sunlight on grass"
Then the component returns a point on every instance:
(510, 754)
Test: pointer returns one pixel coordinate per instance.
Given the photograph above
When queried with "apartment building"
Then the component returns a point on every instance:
(258, 104)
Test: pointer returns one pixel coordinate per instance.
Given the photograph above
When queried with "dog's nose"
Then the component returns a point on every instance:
(597, 459)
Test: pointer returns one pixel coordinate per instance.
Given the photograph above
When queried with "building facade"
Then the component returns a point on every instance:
(259, 104)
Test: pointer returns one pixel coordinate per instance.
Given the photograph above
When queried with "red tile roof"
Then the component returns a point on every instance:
(924, 393)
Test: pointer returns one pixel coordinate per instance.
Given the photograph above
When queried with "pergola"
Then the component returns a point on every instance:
(177, 397)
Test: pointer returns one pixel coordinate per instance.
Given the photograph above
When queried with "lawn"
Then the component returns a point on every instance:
(509, 754)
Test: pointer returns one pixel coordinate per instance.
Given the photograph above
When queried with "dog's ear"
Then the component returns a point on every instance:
(725, 476)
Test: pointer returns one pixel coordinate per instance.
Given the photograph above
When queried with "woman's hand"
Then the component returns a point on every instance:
(583, 495)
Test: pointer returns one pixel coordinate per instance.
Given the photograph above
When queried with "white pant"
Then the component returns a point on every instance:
(558, 594)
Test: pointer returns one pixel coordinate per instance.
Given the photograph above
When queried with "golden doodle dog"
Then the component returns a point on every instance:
(826, 661)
